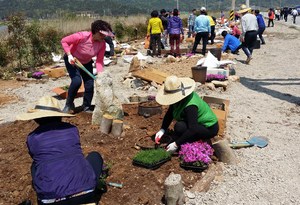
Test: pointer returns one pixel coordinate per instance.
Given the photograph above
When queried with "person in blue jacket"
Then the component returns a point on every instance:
(261, 26)
(231, 43)
(61, 175)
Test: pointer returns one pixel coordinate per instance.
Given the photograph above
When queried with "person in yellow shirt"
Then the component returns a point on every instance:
(212, 28)
(155, 29)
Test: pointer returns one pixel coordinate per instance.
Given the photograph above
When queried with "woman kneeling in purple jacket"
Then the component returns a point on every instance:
(61, 174)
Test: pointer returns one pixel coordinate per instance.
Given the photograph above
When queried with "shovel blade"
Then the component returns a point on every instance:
(258, 141)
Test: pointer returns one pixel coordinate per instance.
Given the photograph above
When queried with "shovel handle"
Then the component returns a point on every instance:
(79, 65)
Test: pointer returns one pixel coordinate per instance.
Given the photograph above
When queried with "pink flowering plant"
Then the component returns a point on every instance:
(196, 153)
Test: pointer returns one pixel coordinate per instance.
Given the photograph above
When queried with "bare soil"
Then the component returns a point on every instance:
(140, 185)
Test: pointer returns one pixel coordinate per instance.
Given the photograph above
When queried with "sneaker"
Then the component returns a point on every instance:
(69, 109)
(248, 60)
(87, 109)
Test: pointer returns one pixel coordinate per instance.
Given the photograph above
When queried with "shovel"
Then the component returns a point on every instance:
(79, 65)
(258, 141)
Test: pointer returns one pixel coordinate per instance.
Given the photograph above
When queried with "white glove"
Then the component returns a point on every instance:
(158, 135)
(172, 147)
(71, 59)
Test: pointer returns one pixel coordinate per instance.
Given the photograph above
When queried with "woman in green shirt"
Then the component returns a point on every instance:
(194, 118)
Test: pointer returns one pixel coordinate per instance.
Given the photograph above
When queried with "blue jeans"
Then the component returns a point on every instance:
(191, 29)
(76, 74)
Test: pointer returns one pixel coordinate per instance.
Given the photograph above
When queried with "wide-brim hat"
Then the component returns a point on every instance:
(244, 9)
(47, 106)
(107, 33)
(174, 89)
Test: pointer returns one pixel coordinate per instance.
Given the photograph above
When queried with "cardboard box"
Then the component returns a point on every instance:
(64, 93)
(55, 72)
(221, 108)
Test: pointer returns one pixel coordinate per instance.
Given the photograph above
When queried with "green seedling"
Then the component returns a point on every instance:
(151, 156)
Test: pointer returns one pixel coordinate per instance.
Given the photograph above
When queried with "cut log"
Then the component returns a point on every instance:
(174, 190)
(117, 127)
(106, 123)
(224, 153)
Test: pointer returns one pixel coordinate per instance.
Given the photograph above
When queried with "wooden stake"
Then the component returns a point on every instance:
(224, 153)
(106, 123)
(117, 127)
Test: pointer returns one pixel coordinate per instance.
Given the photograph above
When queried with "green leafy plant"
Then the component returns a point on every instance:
(152, 156)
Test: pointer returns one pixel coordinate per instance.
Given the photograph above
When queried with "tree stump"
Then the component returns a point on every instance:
(224, 153)
(106, 123)
(117, 127)
(174, 190)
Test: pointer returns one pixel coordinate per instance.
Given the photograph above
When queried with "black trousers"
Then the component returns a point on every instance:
(204, 37)
(76, 74)
(202, 133)
(156, 43)
(212, 34)
(249, 42)
(271, 21)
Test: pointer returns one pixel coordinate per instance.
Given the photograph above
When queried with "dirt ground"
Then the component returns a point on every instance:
(265, 102)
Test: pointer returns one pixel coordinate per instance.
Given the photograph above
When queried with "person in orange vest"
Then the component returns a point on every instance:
(271, 15)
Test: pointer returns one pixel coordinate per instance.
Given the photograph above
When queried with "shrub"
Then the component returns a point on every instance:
(118, 28)
(4, 59)
(16, 39)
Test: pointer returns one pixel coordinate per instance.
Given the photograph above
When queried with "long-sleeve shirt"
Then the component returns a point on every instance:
(260, 21)
(232, 42)
(202, 24)
(175, 25)
(194, 111)
(249, 23)
(155, 26)
(191, 19)
(60, 167)
(82, 46)
(236, 31)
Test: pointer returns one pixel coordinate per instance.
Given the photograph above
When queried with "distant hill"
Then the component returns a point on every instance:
(51, 8)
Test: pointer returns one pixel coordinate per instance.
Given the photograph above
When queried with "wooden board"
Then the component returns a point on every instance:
(151, 75)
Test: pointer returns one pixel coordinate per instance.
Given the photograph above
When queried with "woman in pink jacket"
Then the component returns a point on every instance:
(83, 46)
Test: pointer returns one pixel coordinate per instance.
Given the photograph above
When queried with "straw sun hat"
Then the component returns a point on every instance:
(244, 9)
(174, 89)
(46, 107)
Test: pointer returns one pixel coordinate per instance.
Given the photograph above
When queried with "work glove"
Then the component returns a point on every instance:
(71, 59)
(172, 147)
(158, 135)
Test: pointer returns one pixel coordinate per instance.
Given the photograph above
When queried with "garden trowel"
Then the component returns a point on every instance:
(258, 141)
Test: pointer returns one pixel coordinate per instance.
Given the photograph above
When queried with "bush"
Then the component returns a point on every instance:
(4, 59)
(119, 30)
(184, 22)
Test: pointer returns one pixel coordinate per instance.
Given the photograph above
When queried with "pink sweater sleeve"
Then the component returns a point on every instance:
(100, 58)
(69, 41)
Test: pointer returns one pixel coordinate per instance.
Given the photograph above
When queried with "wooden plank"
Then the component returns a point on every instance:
(151, 75)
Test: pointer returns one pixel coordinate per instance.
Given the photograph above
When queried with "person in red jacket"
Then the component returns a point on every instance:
(271, 15)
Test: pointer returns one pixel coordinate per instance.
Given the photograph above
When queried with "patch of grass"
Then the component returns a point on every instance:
(151, 156)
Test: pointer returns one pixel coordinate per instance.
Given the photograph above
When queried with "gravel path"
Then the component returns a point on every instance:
(266, 102)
